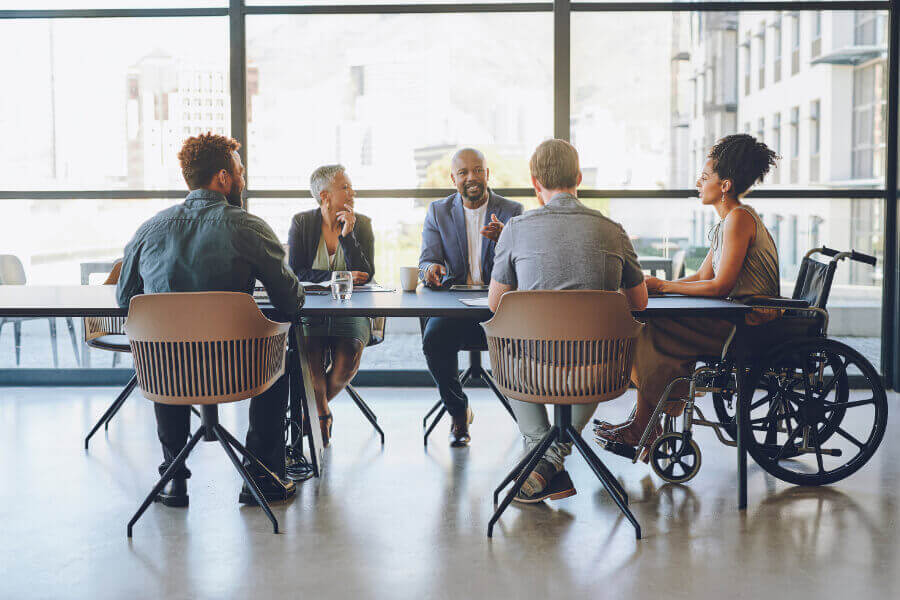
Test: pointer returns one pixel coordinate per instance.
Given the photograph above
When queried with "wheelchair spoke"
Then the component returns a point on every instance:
(830, 406)
(849, 437)
(761, 401)
(837, 375)
(787, 444)
(818, 447)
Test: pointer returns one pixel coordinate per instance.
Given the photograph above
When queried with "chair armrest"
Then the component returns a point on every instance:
(776, 302)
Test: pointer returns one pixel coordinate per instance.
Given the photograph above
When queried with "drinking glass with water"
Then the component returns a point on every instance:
(341, 285)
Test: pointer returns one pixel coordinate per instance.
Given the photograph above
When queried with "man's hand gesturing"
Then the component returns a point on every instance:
(492, 230)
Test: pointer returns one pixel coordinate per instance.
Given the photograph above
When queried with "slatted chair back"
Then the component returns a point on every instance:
(98, 327)
(12, 272)
(562, 347)
(204, 347)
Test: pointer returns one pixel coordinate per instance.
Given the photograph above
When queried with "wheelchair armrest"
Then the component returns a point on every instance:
(776, 302)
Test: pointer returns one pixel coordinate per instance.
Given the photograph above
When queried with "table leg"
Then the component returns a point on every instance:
(744, 394)
(308, 399)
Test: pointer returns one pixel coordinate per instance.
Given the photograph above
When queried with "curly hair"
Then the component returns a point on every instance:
(203, 156)
(742, 159)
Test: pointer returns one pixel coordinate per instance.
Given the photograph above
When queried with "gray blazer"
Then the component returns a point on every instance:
(444, 236)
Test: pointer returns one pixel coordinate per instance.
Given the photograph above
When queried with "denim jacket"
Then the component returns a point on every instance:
(207, 245)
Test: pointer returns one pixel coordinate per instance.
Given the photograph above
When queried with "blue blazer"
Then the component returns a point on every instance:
(444, 236)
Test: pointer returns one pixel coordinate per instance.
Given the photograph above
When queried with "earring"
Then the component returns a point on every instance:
(723, 197)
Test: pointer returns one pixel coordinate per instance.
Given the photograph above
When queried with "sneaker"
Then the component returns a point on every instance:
(271, 491)
(560, 487)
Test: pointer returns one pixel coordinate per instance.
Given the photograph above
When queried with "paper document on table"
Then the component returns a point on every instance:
(479, 302)
(371, 287)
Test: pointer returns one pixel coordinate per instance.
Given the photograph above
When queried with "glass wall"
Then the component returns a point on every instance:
(103, 104)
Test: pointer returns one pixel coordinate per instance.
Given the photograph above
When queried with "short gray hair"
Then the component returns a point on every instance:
(321, 178)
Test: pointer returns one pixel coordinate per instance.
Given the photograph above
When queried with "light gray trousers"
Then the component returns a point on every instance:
(534, 425)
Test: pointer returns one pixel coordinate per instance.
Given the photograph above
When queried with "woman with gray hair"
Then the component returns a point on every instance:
(322, 240)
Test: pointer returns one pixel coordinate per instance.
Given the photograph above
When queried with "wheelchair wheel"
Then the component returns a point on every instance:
(723, 403)
(675, 457)
(802, 424)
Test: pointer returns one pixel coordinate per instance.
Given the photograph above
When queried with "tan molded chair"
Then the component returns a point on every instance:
(108, 333)
(562, 348)
(205, 348)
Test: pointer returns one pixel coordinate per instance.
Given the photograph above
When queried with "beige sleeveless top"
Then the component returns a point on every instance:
(759, 273)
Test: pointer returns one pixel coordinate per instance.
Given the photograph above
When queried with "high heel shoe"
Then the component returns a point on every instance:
(326, 424)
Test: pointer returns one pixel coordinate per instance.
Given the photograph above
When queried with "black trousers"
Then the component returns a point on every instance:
(265, 436)
(442, 340)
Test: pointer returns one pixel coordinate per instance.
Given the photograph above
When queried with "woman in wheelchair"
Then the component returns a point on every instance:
(742, 262)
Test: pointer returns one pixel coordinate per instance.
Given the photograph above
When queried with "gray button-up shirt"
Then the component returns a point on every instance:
(207, 245)
(565, 246)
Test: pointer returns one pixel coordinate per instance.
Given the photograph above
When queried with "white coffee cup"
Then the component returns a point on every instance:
(409, 278)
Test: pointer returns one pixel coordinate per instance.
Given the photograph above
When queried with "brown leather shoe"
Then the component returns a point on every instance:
(459, 429)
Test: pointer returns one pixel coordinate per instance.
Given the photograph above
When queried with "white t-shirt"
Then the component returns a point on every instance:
(474, 223)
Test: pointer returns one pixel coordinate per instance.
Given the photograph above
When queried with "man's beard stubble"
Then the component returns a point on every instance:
(234, 197)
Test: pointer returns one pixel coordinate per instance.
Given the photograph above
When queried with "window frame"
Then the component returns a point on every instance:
(563, 13)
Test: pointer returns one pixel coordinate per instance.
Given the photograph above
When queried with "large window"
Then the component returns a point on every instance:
(95, 109)
(390, 96)
(85, 117)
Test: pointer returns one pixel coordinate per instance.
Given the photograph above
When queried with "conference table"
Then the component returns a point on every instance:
(99, 301)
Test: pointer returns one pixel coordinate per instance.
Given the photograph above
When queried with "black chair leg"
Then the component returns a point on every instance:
(514, 473)
(365, 410)
(17, 339)
(248, 455)
(112, 410)
(487, 379)
(116, 411)
(434, 408)
(74, 339)
(52, 322)
(176, 464)
(434, 423)
(597, 465)
(533, 457)
(248, 479)
(605, 477)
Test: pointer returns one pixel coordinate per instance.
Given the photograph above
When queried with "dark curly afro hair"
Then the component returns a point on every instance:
(203, 156)
(742, 159)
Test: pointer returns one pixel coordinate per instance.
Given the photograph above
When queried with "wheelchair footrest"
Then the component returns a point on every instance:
(623, 450)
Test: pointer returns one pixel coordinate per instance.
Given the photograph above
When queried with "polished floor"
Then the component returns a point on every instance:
(406, 522)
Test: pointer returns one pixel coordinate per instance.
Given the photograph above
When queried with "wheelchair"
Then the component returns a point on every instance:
(799, 419)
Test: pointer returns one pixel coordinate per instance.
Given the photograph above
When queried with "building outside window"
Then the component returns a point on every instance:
(795, 145)
(816, 45)
(795, 44)
(870, 28)
(869, 108)
(762, 54)
(761, 130)
(776, 145)
(746, 54)
(815, 133)
(778, 41)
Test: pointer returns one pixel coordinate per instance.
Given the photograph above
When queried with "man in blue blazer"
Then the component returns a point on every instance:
(458, 242)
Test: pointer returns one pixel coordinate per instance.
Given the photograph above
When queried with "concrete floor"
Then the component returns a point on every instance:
(401, 522)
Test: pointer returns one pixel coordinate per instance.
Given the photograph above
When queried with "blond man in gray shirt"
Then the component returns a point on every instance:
(563, 245)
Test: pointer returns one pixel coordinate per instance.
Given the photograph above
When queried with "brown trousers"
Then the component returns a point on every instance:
(669, 348)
